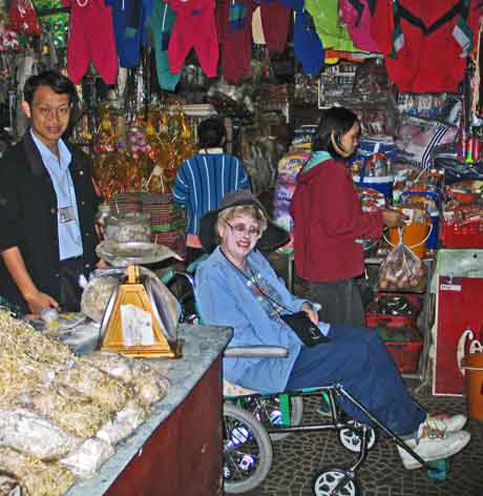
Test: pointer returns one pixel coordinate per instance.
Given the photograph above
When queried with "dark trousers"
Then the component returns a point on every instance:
(340, 300)
(70, 290)
(357, 359)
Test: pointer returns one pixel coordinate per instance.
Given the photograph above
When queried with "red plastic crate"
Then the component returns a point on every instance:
(373, 315)
(405, 353)
(467, 235)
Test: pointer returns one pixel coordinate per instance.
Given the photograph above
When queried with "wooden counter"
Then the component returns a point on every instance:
(178, 450)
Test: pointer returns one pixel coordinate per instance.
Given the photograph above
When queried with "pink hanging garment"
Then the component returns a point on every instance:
(235, 31)
(91, 40)
(356, 15)
(194, 27)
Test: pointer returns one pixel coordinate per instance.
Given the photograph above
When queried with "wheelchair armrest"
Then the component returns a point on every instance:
(256, 352)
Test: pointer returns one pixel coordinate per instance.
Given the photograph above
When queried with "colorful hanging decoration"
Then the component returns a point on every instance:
(56, 23)
(142, 156)
(23, 18)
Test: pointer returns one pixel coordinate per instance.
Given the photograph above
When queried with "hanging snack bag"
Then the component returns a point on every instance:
(402, 270)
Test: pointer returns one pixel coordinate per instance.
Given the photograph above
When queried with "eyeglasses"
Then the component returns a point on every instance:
(241, 229)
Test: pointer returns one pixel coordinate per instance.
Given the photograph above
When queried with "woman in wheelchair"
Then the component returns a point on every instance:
(237, 287)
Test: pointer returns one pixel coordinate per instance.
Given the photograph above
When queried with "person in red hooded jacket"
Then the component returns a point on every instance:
(329, 222)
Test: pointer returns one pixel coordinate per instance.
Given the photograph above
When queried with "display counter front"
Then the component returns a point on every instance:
(178, 450)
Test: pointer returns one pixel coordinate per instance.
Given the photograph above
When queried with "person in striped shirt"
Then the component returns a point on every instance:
(204, 179)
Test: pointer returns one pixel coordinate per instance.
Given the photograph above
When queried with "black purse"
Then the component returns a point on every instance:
(299, 322)
(305, 329)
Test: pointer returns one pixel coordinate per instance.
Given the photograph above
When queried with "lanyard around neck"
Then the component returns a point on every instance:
(273, 302)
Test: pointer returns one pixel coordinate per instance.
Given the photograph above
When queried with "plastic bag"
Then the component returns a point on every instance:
(95, 384)
(31, 434)
(124, 423)
(86, 460)
(114, 364)
(445, 159)
(402, 269)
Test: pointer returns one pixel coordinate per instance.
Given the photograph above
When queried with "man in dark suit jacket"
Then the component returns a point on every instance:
(47, 204)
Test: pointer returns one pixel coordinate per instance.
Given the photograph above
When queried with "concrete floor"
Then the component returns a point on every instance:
(298, 457)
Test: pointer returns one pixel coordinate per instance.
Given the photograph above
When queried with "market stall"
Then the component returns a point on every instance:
(266, 71)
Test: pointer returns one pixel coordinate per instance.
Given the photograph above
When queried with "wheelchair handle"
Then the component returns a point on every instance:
(256, 352)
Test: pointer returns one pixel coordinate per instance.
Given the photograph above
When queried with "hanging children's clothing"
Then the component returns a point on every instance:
(130, 18)
(91, 39)
(426, 43)
(235, 33)
(160, 24)
(308, 48)
(331, 30)
(195, 27)
(275, 22)
(356, 15)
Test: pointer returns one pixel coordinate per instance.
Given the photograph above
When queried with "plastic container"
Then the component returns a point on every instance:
(431, 200)
(473, 365)
(467, 235)
(401, 308)
(415, 236)
(405, 352)
(382, 184)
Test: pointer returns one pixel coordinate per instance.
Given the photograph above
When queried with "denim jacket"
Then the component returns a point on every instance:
(224, 297)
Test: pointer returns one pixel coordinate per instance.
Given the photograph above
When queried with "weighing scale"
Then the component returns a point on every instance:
(132, 324)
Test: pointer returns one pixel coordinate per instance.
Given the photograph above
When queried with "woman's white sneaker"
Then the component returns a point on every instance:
(433, 448)
(438, 425)
(452, 423)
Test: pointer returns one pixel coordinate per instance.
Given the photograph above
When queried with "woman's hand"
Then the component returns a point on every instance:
(311, 313)
(392, 218)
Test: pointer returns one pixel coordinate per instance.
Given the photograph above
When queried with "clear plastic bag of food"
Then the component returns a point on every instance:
(402, 270)
(124, 423)
(87, 459)
(89, 381)
(114, 364)
(149, 385)
(29, 433)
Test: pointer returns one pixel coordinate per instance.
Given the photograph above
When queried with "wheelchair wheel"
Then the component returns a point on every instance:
(350, 437)
(247, 451)
(296, 412)
(267, 411)
(335, 482)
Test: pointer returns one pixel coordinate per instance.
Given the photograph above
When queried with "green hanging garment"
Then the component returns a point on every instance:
(329, 26)
(160, 24)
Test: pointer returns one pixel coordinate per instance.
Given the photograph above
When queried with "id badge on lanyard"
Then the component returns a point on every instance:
(66, 214)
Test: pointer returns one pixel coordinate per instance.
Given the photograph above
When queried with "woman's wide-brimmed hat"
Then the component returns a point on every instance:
(272, 238)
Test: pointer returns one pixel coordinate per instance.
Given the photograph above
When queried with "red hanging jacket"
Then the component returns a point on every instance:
(425, 42)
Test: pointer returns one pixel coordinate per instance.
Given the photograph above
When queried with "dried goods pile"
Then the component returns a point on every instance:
(61, 415)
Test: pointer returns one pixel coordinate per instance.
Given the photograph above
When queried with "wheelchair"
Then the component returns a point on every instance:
(252, 421)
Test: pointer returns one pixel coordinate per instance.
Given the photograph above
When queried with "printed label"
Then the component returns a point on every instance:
(137, 326)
